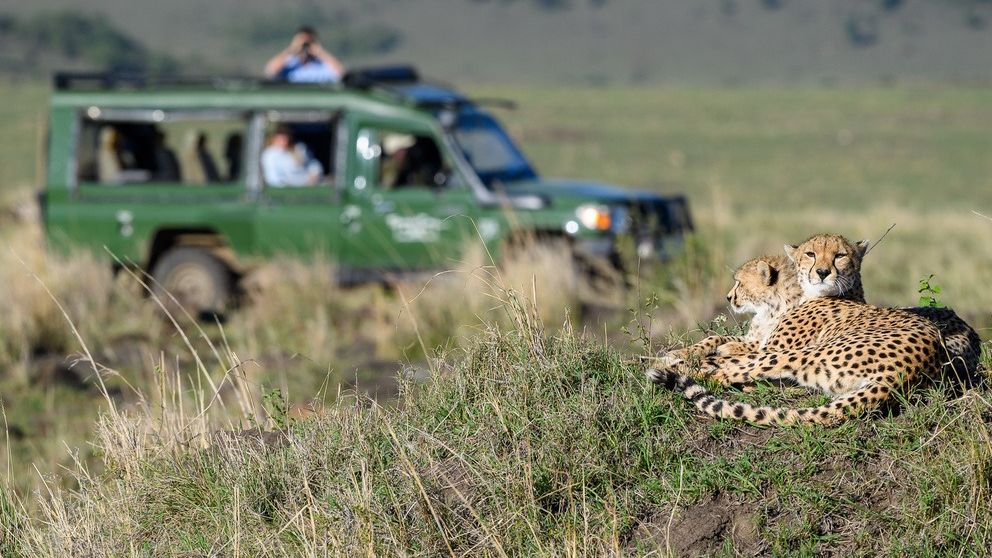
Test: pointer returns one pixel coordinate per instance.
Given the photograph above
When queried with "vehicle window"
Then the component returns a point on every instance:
(489, 150)
(299, 153)
(409, 160)
(178, 151)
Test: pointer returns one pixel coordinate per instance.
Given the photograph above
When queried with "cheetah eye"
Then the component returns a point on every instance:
(840, 255)
(811, 254)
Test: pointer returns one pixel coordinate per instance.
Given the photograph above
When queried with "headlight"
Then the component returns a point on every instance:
(594, 216)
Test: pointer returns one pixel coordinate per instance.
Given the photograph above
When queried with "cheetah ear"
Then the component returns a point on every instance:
(791, 251)
(765, 272)
(861, 247)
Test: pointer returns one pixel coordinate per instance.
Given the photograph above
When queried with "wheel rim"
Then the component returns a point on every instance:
(192, 286)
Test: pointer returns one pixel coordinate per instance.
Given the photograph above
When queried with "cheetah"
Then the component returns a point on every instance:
(768, 287)
(854, 351)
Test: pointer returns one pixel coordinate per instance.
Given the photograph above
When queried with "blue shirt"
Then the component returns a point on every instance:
(312, 70)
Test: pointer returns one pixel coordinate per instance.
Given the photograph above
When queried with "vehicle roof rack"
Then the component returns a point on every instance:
(70, 81)
(368, 77)
(359, 78)
(401, 81)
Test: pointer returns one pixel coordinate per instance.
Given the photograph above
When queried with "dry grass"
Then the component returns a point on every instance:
(36, 282)
(521, 442)
(526, 443)
(335, 335)
(950, 244)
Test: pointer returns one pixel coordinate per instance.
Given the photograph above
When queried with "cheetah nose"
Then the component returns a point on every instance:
(822, 273)
(729, 298)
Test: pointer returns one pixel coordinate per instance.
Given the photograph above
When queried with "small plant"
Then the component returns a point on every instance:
(928, 293)
(276, 407)
(639, 327)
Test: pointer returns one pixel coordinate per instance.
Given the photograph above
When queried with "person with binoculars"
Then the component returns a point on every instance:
(305, 61)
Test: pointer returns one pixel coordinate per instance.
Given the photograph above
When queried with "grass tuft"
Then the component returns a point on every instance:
(528, 442)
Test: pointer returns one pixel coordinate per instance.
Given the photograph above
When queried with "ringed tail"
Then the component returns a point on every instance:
(829, 414)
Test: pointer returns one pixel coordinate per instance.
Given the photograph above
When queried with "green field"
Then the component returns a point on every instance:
(762, 166)
(567, 41)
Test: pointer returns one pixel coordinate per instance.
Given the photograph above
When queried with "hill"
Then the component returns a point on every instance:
(527, 444)
(713, 41)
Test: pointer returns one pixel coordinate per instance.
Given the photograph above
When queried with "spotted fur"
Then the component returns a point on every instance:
(766, 287)
(769, 286)
(857, 352)
(829, 265)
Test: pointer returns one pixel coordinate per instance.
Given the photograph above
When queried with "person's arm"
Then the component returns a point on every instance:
(278, 62)
(315, 172)
(310, 168)
(275, 64)
(327, 58)
(273, 174)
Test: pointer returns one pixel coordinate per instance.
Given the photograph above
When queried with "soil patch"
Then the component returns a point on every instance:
(701, 529)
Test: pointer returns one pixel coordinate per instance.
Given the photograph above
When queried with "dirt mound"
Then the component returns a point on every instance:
(702, 529)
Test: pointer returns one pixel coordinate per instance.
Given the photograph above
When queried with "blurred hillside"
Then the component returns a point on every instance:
(576, 41)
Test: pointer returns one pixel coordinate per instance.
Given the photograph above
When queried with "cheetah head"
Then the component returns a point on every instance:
(766, 284)
(828, 265)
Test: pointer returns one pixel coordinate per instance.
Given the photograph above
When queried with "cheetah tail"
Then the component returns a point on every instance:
(722, 408)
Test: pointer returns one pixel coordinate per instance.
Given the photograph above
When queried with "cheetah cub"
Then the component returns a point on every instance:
(854, 351)
(766, 287)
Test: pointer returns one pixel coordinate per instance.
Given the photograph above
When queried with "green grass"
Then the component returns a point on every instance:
(767, 148)
(764, 166)
(531, 444)
(554, 443)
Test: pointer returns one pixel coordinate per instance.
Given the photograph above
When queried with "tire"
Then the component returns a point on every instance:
(198, 281)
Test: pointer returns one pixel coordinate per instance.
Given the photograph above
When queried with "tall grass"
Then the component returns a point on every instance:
(296, 337)
(525, 443)
(36, 282)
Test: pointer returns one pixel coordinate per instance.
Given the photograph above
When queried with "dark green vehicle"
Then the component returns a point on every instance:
(390, 175)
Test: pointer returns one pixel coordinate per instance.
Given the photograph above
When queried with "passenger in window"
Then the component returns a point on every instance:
(287, 164)
(305, 61)
(109, 163)
(115, 162)
(166, 164)
(421, 164)
(394, 153)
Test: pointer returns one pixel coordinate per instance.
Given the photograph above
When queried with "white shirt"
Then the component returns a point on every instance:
(284, 167)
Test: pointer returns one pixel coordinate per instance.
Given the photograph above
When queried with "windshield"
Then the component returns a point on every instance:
(489, 150)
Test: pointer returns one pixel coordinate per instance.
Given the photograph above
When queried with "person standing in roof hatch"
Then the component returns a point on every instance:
(305, 61)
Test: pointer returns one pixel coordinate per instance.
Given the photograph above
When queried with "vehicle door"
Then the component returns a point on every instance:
(298, 210)
(135, 171)
(410, 208)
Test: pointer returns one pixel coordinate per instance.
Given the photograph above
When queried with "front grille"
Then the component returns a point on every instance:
(664, 217)
(656, 227)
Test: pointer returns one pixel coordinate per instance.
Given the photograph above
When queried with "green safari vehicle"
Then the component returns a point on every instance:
(195, 180)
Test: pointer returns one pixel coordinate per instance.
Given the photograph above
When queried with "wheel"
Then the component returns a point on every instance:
(197, 280)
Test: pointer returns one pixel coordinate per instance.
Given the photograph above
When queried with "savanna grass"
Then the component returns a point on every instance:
(529, 443)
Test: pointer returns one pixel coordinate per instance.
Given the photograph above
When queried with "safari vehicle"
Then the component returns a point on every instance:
(167, 175)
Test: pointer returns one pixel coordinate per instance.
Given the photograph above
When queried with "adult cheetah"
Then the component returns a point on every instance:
(857, 352)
